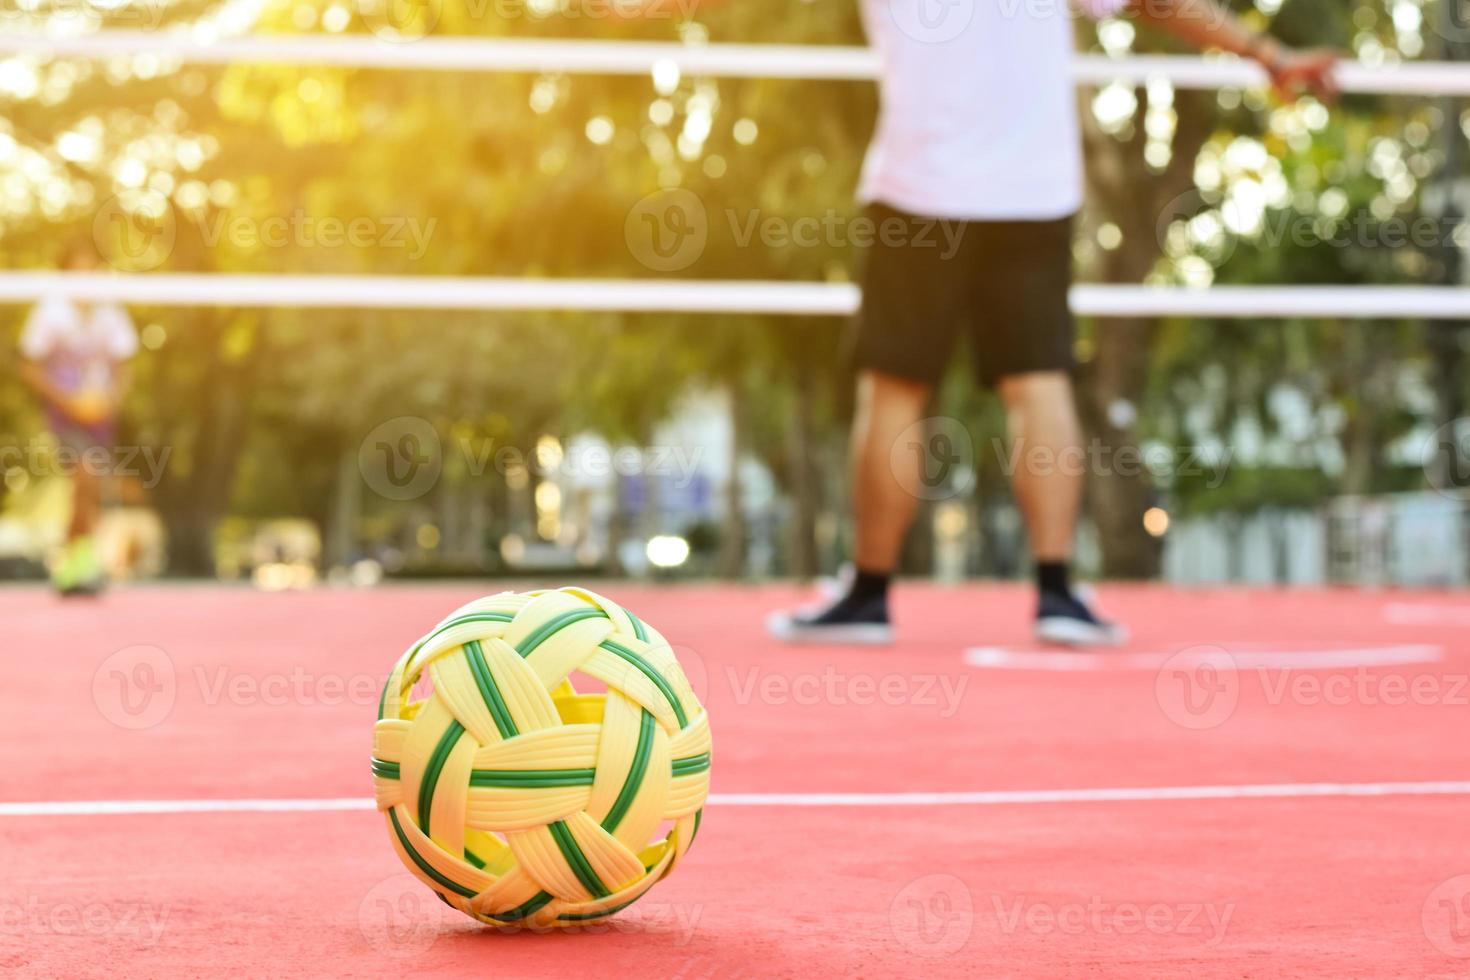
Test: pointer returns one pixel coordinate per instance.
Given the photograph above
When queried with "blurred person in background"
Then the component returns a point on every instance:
(74, 355)
(972, 181)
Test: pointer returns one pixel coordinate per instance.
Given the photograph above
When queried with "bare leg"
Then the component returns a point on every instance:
(86, 503)
(1047, 442)
(883, 508)
(76, 571)
(1050, 468)
(883, 503)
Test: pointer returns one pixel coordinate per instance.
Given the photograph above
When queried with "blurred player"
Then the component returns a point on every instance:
(74, 356)
(978, 132)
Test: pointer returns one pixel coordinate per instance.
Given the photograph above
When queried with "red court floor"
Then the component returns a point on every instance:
(1263, 783)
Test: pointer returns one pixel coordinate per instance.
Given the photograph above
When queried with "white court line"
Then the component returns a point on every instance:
(94, 808)
(1000, 658)
(1426, 614)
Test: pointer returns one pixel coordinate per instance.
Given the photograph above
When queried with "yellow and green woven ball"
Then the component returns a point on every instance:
(516, 798)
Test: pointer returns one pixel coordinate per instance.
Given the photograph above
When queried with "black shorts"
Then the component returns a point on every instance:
(1002, 284)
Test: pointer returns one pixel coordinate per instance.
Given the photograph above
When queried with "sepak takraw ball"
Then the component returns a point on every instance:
(520, 800)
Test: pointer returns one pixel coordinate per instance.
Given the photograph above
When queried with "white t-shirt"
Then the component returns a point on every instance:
(79, 348)
(978, 113)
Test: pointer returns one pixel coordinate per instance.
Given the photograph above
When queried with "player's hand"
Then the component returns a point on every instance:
(1296, 72)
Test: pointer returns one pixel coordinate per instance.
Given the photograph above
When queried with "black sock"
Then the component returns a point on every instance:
(1053, 577)
(869, 585)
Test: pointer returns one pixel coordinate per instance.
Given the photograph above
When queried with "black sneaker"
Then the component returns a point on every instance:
(1067, 620)
(845, 621)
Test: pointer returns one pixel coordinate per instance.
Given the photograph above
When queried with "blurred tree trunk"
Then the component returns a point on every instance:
(194, 498)
(917, 557)
(342, 521)
(1446, 343)
(1446, 339)
(1365, 388)
(1118, 495)
(478, 536)
(618, 523)
(650, 519)
(449, 507)
(493, 486)
(1124, 190)
(732, 539)
(804, 490)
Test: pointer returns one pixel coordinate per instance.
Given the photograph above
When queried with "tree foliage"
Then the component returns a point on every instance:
(246, 168)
